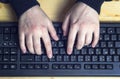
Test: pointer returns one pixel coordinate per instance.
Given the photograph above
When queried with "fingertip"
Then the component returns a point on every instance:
(50, 55)
(69, 51)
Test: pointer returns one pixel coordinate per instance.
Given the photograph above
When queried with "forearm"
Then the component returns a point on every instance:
(20, 6)
(95, 4)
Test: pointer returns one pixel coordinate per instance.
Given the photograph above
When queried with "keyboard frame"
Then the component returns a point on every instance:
(82, 72)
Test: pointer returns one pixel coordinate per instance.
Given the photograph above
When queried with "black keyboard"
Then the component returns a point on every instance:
(103, 60)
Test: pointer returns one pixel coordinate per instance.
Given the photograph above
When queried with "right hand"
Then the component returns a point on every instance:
(33, 25)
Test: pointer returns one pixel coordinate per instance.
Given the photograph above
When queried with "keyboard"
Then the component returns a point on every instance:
(103, 60)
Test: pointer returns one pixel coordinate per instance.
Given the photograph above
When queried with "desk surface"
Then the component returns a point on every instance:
(57, 8)
(110, 12)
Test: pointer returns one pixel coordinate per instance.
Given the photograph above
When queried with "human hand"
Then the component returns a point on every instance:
(34, 25)
(84, 22)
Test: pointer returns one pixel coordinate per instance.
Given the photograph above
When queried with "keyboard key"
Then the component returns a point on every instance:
(59, 58)
(94, 58)
(23, 66)
(103, 44)
(103, 30)
(14, 51)
(87, 66)
(84, 51)
(117, 44)
(13, 67)
(114, 37)
(6, 51)
(63, 51)
(45, 59)
(111, 30)
(102, 66)
(80, 58)
(110, 44)
(45, 66)
(70, 66)
(106, 37)
(27, 58)
(37, 66)
(98, 51)
(30, 66)
(62, 66)
(5, 66)
(101, 58)
(118, 30)
(54, 44)
(109, 58)
(109, 66)
(55, 51)
(112, 52)
(105, 51)
(6, 58)
(95, 66)
(118, 51)
(61, 44)
(6, 30)
(66, 58)
(55, 66)
(87, 58)
(73, 58)
(116, 58)
(14, 30)
(6, 37)
(38, 58)
(91, 51)
(77, 66)
(13, 58)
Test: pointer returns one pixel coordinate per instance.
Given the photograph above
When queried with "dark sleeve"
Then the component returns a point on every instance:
(95, 4)
(20, 6)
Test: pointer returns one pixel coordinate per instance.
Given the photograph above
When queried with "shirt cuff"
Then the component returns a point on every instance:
(95, 4)
(20, 6)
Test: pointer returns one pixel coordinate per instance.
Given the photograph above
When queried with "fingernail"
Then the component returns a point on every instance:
(56, 37)
(64, 34)
(24, 51)
(50, 55)
(69, 51)
(93, 46)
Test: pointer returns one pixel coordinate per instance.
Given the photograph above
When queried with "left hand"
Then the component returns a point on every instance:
(84, 21)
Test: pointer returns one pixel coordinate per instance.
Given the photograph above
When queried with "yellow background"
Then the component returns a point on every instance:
(56, 9)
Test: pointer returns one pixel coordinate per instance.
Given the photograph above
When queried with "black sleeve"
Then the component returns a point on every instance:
(20, 6)
(95, 4)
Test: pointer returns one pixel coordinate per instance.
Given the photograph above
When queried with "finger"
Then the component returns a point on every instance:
(29, 43)
(96, 38)
(22, 42)
(65, 25)
(37, 44)
(71, 38)
(47, 43)
(52, 31)
(81, 39)
(88, 38)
